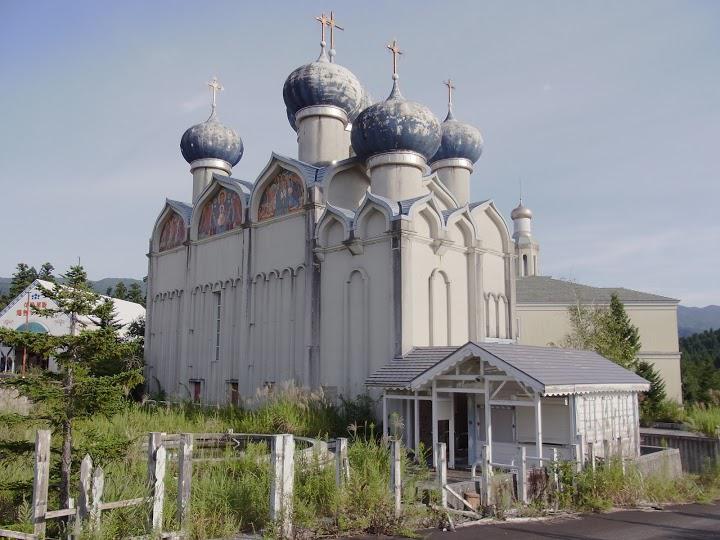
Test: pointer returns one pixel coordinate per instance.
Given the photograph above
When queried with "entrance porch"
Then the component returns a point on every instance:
(506, 396)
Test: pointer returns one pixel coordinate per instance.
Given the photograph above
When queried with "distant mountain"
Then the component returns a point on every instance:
(100, 286)
(692, 320)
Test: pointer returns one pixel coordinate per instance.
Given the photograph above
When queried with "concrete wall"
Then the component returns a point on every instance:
(696, 450)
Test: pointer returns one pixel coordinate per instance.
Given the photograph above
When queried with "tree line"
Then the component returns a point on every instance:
(700, 366)
(24, 275)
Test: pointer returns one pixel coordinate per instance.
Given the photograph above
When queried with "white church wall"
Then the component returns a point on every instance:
(217, 258)
(356, 315)
(488, 232)
(279, 244)
(347, 188)
(170, 270)
(495, 297)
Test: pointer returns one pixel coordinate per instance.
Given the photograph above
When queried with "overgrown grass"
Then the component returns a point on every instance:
(229, 494)
(703, 418)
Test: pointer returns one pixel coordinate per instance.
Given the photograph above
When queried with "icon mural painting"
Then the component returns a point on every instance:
(221, 214)
(283, 195)
(173, 232)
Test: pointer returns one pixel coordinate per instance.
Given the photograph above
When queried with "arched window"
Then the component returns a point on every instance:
(525, 266)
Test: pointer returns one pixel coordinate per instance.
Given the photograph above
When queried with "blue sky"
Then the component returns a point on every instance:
(607, 111)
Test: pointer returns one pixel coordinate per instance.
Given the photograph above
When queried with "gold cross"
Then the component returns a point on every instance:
(450, 88)
(323, 20)
(333, 25)
(395, 50)
(215, 87)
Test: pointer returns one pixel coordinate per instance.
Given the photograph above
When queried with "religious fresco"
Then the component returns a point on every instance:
(283, 195)
(220, 214)
(173, 232)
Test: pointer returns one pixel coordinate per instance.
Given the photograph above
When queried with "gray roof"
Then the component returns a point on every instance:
(550, 369)
(399, 372)
(183, 209)
(546, 290)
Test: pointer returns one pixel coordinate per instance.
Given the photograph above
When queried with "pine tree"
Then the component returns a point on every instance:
(120, 291)
(653, 399)
(135, 294)
(617, 337)
(24, 275)
(46, 272)
(74, 392)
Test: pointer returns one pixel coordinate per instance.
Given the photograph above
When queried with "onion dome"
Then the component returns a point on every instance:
(211, 140)
(521, 212)
(322, 83)
(396, 124)
(459, 140)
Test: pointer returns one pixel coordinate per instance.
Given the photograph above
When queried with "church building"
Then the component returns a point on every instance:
(362, 264)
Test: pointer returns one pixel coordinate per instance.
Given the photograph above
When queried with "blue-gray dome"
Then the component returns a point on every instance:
(323, 83)
(459, 140)
(396, 124)
(211, 140)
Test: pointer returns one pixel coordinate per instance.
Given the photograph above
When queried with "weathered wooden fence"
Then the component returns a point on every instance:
(283, 453)
(91, 502)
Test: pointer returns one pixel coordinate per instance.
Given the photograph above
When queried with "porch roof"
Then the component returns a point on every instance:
(548, 370)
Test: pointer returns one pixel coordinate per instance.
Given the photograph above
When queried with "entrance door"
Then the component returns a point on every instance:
(426, 437)
(462, 427)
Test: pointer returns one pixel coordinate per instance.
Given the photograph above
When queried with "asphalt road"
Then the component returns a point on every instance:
(682, 522)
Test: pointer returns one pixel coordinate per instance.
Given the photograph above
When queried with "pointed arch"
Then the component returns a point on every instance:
(279, 190)
(219, 209)
(171, 226)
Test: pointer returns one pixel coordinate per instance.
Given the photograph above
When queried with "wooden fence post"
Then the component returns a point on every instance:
(40, 481)
(184, 479)
(158, 492)
(442, 473)
(591, 455)
(276, 462)
(98, 486)
(395, 474)
(522, 474)
(288, 485)
(156, 477)
(556, 476)
(281, 489)
(84, 496)
(342, 465)
(486, 475)
(607, 452)
(154, 441)
(580, 453)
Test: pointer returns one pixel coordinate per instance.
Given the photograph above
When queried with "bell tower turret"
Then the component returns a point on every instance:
(526, 248)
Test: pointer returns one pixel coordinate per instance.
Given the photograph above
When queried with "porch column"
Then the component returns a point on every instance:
(406, 422)
(386, 429)
(451, 437)
(488, 421)
(416, 423)
(434, 424)
(538, 427)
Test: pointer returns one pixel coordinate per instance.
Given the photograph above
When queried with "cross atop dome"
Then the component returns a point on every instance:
(332, 23)
(395, 50)
(215, 87)
(450, 87)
